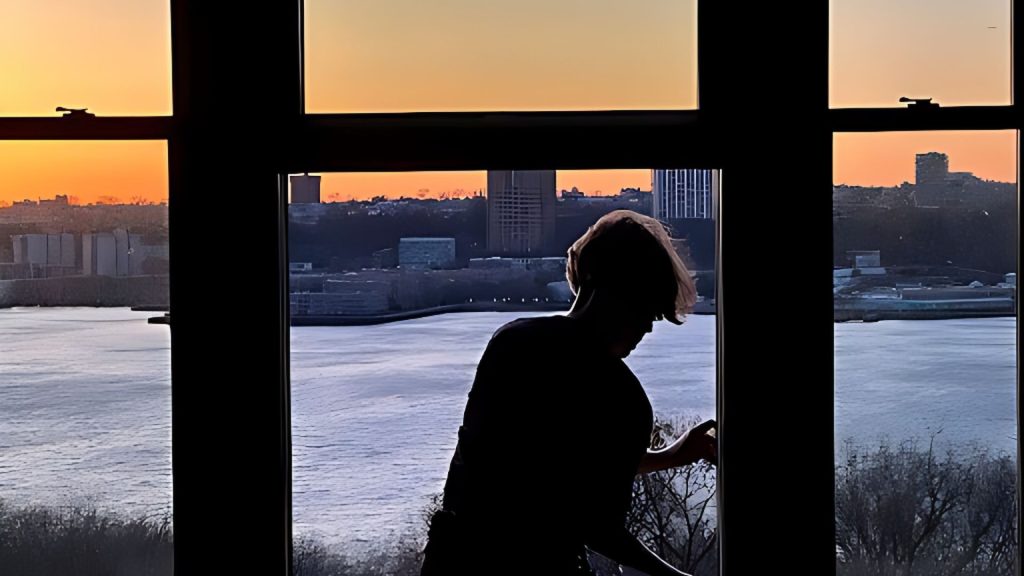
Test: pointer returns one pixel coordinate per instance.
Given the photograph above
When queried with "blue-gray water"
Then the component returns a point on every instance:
(955, 379)
(85, 409)
(85, 404)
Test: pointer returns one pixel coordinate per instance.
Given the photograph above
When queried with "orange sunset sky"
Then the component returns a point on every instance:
(113, 56)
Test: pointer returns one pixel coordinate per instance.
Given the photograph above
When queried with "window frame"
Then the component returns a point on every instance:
(237, 129)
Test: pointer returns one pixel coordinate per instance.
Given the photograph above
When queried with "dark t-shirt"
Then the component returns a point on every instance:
(552, 435)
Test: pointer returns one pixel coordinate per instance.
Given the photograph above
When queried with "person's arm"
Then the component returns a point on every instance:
(622, 547)
(694, 445)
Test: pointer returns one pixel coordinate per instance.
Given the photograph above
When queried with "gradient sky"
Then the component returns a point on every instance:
(887, 159)
(113, 56)
(955, 51)
(416, 55)
(85, 170)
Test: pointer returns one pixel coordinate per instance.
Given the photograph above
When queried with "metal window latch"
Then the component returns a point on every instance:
(75, 112)
(919, 103)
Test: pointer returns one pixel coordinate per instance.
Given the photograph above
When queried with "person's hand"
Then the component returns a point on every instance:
(696, 444)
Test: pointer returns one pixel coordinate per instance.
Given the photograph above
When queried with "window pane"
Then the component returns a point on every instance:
(85, 392)
(382, 362)
(956, 52)
(924, 287)
(460, 55)
(110, 56)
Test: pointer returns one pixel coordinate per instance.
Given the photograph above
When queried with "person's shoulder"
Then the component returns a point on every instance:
(533, 329)
(531, 324)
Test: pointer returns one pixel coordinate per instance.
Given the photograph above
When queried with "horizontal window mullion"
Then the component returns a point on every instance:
(89, 128)
(908, 119)
(512, 141)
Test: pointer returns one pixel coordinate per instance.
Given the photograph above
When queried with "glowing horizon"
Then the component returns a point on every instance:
(340, 187)
(84, 170)
(110, 172)
(888, 158)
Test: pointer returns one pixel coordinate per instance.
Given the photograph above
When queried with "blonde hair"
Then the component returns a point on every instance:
(633, 255)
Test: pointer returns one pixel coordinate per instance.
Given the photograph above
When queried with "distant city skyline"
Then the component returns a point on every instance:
(888, 158)
(100, 172)
(97, 172)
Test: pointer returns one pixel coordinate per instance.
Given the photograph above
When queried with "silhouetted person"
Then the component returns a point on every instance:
(557, 426)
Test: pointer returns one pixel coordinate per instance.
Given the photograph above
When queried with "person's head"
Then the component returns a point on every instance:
(626, 274)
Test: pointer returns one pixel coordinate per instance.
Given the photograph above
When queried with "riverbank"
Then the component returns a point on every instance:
(87, 291)
(875, 309)
(875, 316)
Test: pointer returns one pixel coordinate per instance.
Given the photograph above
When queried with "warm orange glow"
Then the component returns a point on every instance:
(602, 182)
(887, 159)
(365, 185)
(113, 56)
(86, 171)
(412, 55)
(110, 56)
(954, 51)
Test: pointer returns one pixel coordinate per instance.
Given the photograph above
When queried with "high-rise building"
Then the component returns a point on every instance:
(521, 212)
(932, 168)
(305, 189)
(932, 175)
(689, 193)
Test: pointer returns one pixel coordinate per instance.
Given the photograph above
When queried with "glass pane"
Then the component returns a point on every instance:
(110, 56)
(461, 55)
(399, 280)
(924, 284)
(956, 52)
(85, 392)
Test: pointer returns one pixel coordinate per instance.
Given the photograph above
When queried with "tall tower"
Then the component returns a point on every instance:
(686, 193)
(305, 189)
(520, 212)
